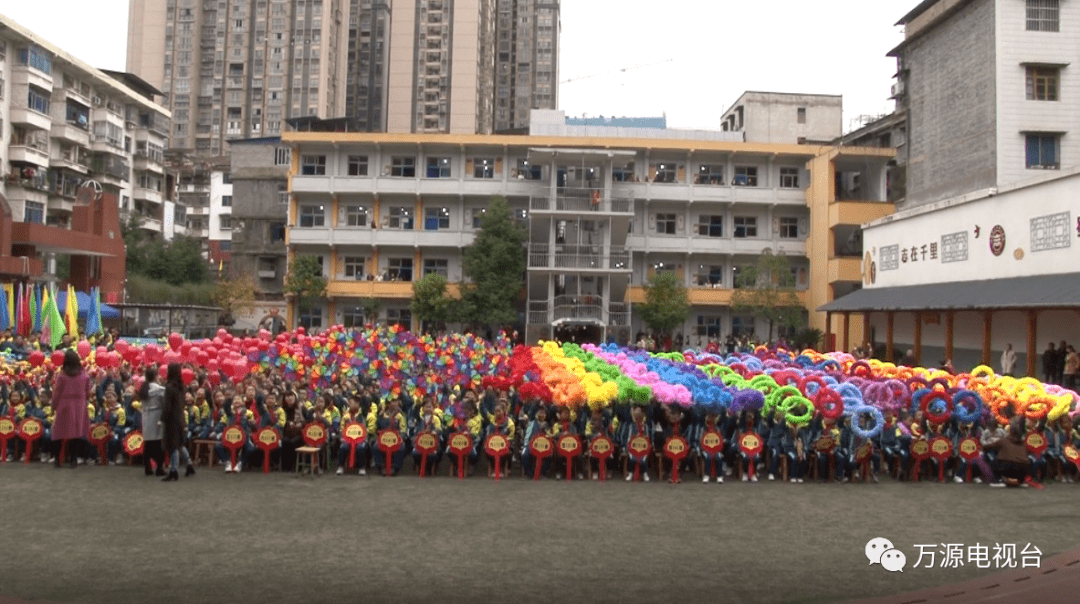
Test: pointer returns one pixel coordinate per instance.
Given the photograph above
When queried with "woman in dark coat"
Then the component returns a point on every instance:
(70, 394)
(172, 417)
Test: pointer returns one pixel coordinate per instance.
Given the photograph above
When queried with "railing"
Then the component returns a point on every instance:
(578, 257)
(579, 309)
(584, 200)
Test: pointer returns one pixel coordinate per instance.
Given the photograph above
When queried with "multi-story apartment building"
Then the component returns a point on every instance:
(259, 170)
(368, 64)
(780, 117)
(62, 124)
(526, 60)
(237, 69)
(602, 215)
(442, 66)
(1004, 114)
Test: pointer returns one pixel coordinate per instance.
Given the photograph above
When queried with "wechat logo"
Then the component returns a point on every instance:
(880, 550)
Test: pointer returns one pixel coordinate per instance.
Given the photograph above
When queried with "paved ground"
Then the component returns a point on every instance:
(110, 535)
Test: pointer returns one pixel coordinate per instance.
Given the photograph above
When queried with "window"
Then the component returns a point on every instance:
(710, 175)
(436, 265)
(1042, 83)
(353, 316)
(401, 218)
(710, 226)
(1042, 151)
(663, 267)
(438, 167)
(226, 201)
(312, 216)
(38, 100)
(665, 224)
(801, 115)
(745, 176)
(478, 217)
(354, 267)
(404, 167)
(736, 277)
(313, 165)
(277, 232)
(745, 226)
(282, 156)
(1043, 15)
(789, 178)
(399, 269)
(527, 171)
(34, 212)
(623, 173)
(36, 58)
(483, 167)
(283, 195)
(358, 165)
(311, 318)
(708, 326)
(356, 216)
(742, 326)
(225, 222)
(665, 173)
(399, 316)
(436, 218)
(710, 275)
(789, 227)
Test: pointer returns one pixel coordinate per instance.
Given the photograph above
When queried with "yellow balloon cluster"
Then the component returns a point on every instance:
(582, 386)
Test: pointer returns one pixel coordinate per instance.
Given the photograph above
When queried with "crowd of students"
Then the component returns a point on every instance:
(825, 448)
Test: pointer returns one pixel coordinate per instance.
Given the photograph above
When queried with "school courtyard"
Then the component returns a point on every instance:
(112, 535)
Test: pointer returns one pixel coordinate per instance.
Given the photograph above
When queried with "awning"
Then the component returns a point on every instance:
(1041, 291)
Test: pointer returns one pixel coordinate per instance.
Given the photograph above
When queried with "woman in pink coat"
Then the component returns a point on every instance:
(69, 396)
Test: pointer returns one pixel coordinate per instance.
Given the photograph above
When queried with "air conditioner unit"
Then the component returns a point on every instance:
(898, 88)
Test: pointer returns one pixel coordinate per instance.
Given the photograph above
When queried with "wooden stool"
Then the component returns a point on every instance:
(204, 447)
(307, 458)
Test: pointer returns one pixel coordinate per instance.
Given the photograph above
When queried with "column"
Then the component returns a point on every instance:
(847, 331)
(335, 200)
(918, 337)
(988, 320)
(950, 317)
(865, 329)
(828, 331)
(1032, 333)
(889, 336)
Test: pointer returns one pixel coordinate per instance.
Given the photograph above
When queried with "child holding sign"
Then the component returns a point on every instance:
(500, 423)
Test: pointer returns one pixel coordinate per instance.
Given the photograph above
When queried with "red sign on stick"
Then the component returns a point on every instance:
(99, 436)
(460, 446)
(267, 438)
(7, 431)
(1036, 443)
(233, 439)
(920, 452)
(497, 447)
(354, 433)
(1073, 455)
(133, 443)
(969, 448)
(601, 449)
(751, 444)
(541, 448)
(712, 444)
(30, 429)
(426, 444)
(569, 447)
(638, 448)
(389, 443)
(675, 449)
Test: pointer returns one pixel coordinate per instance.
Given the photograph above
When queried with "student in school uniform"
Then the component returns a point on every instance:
(500, 423)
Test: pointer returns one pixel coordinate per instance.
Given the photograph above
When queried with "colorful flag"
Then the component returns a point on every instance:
(35, 309)
(55, 321)
(46, 332)
(5, 307)
(72, 314)
(93, 313)
(23, 313)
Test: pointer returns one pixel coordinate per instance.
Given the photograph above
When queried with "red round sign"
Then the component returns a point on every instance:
(426, 443)
(676, 448)
(750, 444)
(920, 449)
(99, 433)
(601, 447)
(460, 443)
(233, 437)
(267, 438)
(940, 447)
(389, 441)
(133, 443)
(969, 448)
(314, 435)
(825, 444)
(712, 443)
(354, 433)
(30, 429)
(496, 445)
(1035, 443)
(639, 447)
(863, 452)
(7, 427)
(569, 445)
(997, 240)
(541, 446)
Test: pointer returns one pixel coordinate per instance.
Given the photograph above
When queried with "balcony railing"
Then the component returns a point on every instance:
(579, 258)
(584, 200)
(575, 309)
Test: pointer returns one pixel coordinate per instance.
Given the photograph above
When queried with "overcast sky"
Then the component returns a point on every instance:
(717, 49)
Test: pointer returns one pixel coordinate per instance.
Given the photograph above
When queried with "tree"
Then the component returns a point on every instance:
(495, 265)
(767, 290)
(234, 296)
(430, 302)
(667, 303)
(305, 282)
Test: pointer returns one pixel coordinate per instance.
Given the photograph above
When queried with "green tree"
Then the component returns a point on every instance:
(667, 303)
(430, 301)
(767, 290)
(234, 296)
(495, 265)
(305, 282)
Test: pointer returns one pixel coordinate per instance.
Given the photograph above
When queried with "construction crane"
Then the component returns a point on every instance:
(622, 70)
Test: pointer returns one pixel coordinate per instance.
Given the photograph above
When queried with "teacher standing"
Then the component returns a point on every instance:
(172, 416)
(152, 395)
(70, 394)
